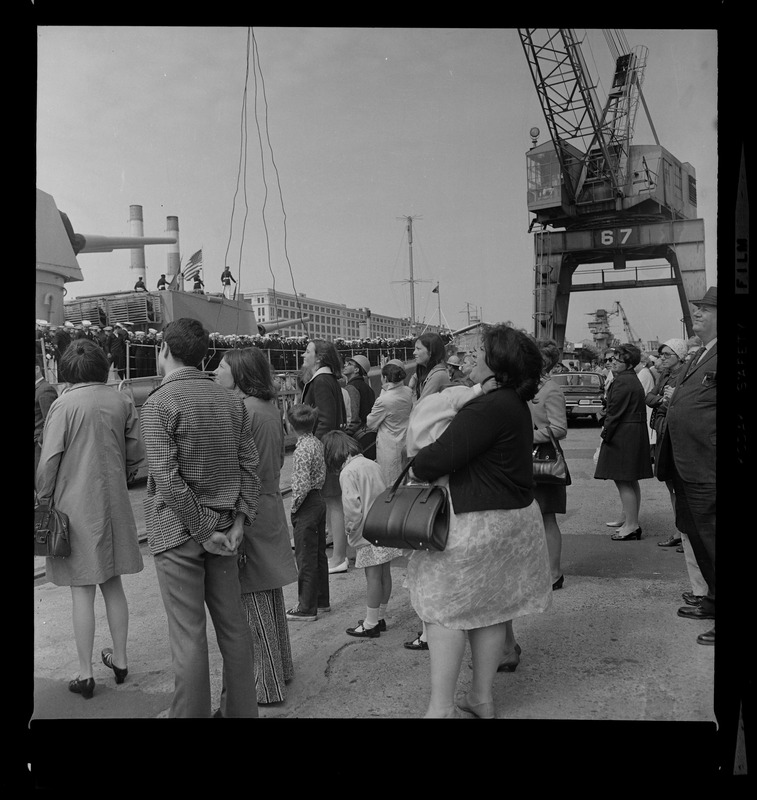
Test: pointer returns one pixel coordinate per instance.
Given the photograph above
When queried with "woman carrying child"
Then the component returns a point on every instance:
(361, 482)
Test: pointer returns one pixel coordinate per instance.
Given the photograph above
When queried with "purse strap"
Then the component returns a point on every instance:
(553, 440)
(400, 478)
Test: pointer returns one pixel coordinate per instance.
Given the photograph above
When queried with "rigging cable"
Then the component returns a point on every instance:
(278, 183)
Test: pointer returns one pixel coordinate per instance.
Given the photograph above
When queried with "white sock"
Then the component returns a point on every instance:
(382, 610)
(371, 617)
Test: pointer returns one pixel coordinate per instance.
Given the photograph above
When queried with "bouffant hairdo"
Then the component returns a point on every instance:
(629, 354)
(550, 353)
(514, 358)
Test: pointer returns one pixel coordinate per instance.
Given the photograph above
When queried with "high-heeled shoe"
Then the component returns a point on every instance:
(107, 657)
(558, 583)
(634, 534)
(512, 664)
(83, 686)
(480, 710)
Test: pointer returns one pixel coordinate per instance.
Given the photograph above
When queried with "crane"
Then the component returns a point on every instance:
(603, 337)
(630, 333)
(598, 196)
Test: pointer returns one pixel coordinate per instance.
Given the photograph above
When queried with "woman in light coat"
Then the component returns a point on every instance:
(91, 446)
(389, 417)
(266, 560)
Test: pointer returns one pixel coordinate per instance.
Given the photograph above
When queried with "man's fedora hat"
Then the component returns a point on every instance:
(710, 298)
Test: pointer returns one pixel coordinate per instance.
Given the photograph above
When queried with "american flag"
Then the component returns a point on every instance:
(194, 265)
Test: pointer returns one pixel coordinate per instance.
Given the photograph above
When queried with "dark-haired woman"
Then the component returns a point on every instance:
(389, 417)
(548, 410)
(495, 566)
(624, 451)
(431, 371)
(322, 391)
(91, 445)
(266, 561)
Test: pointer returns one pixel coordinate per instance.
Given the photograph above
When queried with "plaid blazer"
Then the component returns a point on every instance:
(202, 460)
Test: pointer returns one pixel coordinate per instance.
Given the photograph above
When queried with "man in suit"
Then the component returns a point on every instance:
(44, 396)
(202, 488)
(687, 455)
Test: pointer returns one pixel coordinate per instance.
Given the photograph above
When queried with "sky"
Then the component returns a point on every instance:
(298, 160)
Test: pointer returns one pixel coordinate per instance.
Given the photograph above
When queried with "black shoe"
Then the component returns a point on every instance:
(694, 612)
(381, 624)
(706, 638)
(363, 632)
(417, 643)
(558, 583)
(107, 657)
(691, 599)
(85, 687)
(673, 541)
(634, 534)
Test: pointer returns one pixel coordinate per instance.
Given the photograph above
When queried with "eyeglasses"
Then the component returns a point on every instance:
(613, 358)
(666, 355)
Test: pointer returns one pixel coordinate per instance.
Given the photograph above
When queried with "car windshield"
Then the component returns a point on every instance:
(591, 379)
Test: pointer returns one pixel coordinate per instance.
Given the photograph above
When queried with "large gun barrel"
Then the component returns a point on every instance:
(281, 323)
(92, 243)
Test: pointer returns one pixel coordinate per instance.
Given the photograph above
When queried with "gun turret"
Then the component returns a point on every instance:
(281, 323)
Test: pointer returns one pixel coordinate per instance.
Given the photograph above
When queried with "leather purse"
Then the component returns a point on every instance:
(411, 516)
(550, 465)
(51, 536)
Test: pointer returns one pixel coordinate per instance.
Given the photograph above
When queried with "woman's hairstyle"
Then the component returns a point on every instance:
(550, 353)
(187, 340)
(338, 446)
(436, 354)
(629, 354)
(83, 362)
(251, 372)
(514, 358)
(303, 418)
(393, 373)
(327, 355)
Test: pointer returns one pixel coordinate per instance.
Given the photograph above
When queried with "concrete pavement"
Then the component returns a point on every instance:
(610, 648)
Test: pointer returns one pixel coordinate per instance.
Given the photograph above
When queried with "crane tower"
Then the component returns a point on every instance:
(596, 196)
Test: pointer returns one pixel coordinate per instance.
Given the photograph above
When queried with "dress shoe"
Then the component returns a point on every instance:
(364, 633)
(706, 638)
(480, 710)
(634, 534)
(381, 624)
(107, 657)
(673, 541)
(339, 567)
(691, 599)
(417, 643)
(695, 612)
(85, 687)
(511, 664)
(558, 583)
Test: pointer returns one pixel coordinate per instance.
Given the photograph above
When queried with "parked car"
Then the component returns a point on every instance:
(584, 393)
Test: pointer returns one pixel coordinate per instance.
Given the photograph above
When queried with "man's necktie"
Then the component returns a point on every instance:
(695, 360)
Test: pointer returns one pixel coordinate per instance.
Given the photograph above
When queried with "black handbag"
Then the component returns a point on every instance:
(51, 537)
(409, 516)
(550, 465)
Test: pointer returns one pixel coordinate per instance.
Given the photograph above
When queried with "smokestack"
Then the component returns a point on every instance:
(137, 228)
(174, 252)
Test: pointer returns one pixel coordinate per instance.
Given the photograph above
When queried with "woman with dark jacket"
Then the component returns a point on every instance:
(322, 391)
(624, 451)
(266, 562)
(494, 567)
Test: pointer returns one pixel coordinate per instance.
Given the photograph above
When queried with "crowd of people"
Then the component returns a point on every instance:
(217, 528)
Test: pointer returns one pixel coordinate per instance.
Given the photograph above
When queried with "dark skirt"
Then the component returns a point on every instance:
(332, 487)
(626, 457)
(552, 498)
